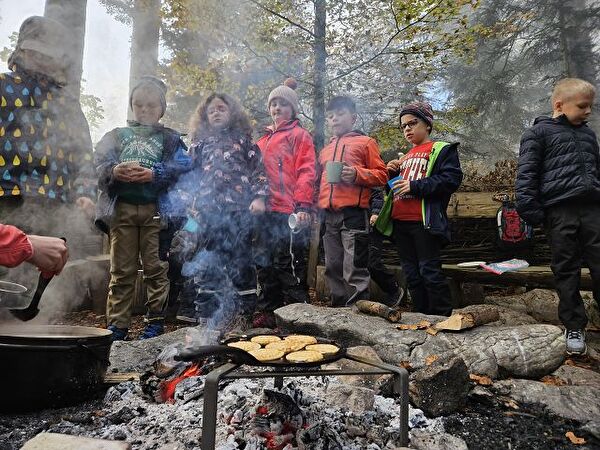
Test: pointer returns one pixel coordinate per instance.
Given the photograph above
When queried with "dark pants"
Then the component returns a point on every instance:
(420, 257)
(346, 245)
(380, 274)
(222, 269)
(573, 229)
(281, 270)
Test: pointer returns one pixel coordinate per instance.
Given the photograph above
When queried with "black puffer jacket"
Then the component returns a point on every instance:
(558, 161)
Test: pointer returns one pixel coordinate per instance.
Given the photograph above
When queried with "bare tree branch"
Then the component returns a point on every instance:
(287, 19)
(388, 43)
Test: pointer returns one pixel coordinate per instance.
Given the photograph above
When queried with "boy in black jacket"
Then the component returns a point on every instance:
(558, 184)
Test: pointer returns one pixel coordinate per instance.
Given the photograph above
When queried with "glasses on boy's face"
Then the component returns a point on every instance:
(410, 125)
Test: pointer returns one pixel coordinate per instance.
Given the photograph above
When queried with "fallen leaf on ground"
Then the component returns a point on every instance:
(405, 365)
(423, 324)
(430, 359)
(574, 439)
(553, 381)
(403, 326)
(481, 379)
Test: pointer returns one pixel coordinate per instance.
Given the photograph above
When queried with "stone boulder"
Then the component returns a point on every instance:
(577, 376)
(570, 402)
(375, 382)
(426, 440)
(441, 388)
(55, 441)
(355, 398)
(542, 305)
(528, 351)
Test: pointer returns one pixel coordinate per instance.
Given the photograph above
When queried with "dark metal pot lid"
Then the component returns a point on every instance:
(51, 331)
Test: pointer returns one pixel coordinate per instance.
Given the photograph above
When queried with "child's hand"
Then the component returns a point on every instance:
(348, 174)
(258, 206)
(401, 187)
(373, 219)
(86, 205)
(393, 166)
(141, 175)
(303, 219)
(122, 171)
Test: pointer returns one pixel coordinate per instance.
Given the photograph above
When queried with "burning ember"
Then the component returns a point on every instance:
(167, 387)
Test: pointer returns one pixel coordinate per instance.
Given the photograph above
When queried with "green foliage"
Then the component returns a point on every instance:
(6, 51)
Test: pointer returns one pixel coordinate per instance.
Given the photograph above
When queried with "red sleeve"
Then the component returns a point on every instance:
(14, 246)
(375, 172)
(305, 166)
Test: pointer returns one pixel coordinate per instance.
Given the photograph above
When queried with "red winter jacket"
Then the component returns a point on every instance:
(14, 246)
(289, 159)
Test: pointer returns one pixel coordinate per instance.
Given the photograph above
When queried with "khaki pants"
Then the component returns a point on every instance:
(134, 235)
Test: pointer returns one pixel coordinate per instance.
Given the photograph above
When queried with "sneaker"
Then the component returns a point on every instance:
(264, 319)
(153, 329)
(118, 334)
(575, 342)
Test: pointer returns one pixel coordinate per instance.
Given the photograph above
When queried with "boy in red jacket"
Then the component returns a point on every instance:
(289, 159)
(346, 202)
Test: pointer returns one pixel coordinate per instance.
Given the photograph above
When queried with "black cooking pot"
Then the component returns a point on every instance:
(45, 366)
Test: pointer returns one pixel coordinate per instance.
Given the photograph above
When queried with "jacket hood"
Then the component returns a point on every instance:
(348, 134)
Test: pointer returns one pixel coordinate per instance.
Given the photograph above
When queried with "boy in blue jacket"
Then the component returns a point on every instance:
(430, 172)
(558, 185)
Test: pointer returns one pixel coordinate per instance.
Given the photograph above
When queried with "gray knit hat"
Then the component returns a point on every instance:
(286, 91)
(152, 82)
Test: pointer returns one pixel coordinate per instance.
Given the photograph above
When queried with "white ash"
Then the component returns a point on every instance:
(127, 414)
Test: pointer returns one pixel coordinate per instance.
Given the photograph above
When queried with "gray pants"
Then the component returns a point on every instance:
(346, 244)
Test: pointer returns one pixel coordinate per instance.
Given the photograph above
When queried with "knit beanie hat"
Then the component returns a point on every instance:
(422, 110)
(286, 91)
(155, 83)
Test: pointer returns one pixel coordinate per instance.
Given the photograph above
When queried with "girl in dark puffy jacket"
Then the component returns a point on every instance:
(289, 159)
(226, 186)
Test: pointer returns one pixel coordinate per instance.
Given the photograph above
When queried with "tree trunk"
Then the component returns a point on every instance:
(320, 72)
(144, 41)
(72, 14)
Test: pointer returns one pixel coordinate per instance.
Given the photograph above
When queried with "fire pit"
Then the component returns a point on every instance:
(242, 365)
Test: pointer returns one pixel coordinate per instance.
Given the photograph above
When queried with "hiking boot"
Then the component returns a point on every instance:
(575, 342)
(118, 334)
(264, 319)
(153, 328)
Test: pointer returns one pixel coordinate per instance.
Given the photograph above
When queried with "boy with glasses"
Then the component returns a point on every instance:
(427, 175)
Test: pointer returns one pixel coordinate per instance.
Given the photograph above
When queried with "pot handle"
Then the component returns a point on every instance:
(100, 358)
(236, 355)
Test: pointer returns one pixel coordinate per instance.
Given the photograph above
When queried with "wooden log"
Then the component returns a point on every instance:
(120, 377)
(378, 309)
(469, 317)
(472, 205)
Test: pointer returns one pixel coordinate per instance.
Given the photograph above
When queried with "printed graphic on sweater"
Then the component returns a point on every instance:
(413, 167)
(140, 145)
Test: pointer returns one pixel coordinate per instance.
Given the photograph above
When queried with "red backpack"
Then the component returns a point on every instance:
(513, 231)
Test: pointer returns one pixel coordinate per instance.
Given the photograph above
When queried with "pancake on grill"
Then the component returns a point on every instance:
(286, 346)
(267, 354)
(324, 349)
(304, 356)
(301, 338)
(245, 345)
(265, 339)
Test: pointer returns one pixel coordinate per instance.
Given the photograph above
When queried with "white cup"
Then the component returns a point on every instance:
(294, 223)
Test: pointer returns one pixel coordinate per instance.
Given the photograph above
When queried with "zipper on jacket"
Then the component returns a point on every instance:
(280, 165)
(331, 184)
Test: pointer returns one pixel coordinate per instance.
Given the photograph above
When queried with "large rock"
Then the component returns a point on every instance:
(426, 440)
(571, 402)
(577, 376)
(138, 356)
(355, 398)
(374, 382)
(55, 441)
(524, 351)
(441, 388)
(542, 305)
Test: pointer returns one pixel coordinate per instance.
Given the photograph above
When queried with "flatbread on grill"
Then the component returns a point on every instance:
(245, 345)
(324, 349)
(304, 356)
(301, 338)
(265, 339)
(286, 346)
(267, 354)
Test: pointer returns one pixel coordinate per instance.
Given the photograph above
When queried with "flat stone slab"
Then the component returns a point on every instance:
(529, 351)
(577, 376)
(55, 441)
(571, 402)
